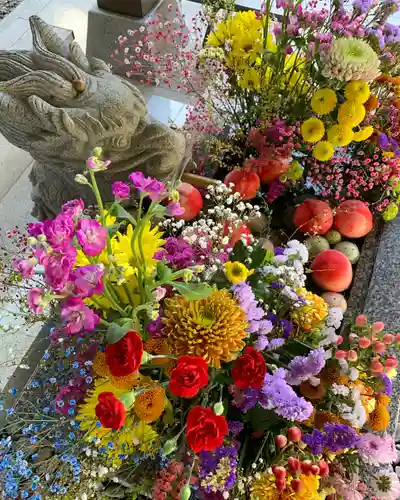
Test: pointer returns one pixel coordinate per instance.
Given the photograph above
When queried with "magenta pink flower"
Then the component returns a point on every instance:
(88, 280)
(152, 187)
(77, 316)
(25, 267)
(66, 395)
(60, 231)
(74, 208)
(35, 228)
(174, 209)
(92, 236)
(121, 191)
(58, 268)
(41, 256)
(35, 300)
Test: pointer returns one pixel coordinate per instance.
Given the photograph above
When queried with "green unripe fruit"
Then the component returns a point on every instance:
(350, 250)
(391, 212)
(218, 408)
(169, 447)
(315, 245)
(185, 493)
(333, 237)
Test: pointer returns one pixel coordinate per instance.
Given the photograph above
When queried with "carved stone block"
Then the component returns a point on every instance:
(134, 8)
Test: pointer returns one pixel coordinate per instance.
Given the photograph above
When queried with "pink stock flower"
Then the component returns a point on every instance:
(96, 164)
(74, 208)
(121, 191)
(88, 280)
(77, 316)
(174, 209)
(92, 236)
(25, 267)
(153, 188)
(35, 300)
(35, 229)
(41, 256)
(58, 268)
(60, 231)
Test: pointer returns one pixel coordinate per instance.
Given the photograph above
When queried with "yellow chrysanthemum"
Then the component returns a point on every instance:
(134, 435)
(312, 313)
(213, 328)
(265, 488)
(351, 113)
(323, 151)
(237, 272)
(151, 242)
(312, 130)
(323, 101)
(340, 135)
(363, 134)
(357, 90)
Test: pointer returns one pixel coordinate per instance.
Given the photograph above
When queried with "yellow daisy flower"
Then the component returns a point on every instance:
(323, 151)
(250, 79)
(312, 130)
(351, 113)
(237, 272)
(357, 90)
(323, 101)
(340, 135)
(363, 134)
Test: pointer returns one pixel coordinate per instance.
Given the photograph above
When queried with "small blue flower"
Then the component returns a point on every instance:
(72, 402)
(13, 391)
(52, 380)
(71, 412)
(82, 371)
(33, 439)
(46, 409)
(46, 355)
(75, 365)
(59, 474)
(98, 424)
(35, 384)
(24, 494)
(89, 380)
(110, 445)
(71, 436)
(20, 454)
(35, 478)
(73, 460)
(34, 456)
(33, 486)
(10, 411)
(88, 363)
(60, 403)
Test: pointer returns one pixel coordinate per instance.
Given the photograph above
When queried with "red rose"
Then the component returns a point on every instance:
(110, 411)
(190, 375)
(205, 430)
(249, 370)
(124, 357)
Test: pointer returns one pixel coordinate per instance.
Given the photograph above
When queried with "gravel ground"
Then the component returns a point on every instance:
(6, 6)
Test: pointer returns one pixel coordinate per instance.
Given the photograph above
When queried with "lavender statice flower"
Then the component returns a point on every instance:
(362, 5)
(301, 368)
(277, 395)
(218, 469)
(246, 399)
(235, 427)
(254, 313)
(178, 253)
(335, 437)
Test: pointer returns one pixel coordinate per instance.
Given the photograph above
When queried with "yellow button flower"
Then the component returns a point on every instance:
(351, 113)
(237, 272)
(340, 135)
(357, 90)
(323, 101)
(323, 151)
(312, 130)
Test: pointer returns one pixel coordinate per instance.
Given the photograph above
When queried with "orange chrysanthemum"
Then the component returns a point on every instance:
(382, 399)
(158, 347)
(102, 370)
(372, 103)
(379, 419)
(213, 327)
(314, 393)
(150, 404)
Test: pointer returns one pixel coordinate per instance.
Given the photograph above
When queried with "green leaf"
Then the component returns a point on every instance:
(261, 419)
(127, 399)
(193, 291)
(119, 211)
(257, 256)
(164, 273)
(115, 332)
(239, 252)
(168, 417)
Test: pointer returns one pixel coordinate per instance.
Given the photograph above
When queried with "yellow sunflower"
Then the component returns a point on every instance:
(312, 130)
(323, 101)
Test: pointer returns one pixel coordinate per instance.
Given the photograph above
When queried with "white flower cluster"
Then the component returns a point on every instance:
(356, 414)
(332, 323)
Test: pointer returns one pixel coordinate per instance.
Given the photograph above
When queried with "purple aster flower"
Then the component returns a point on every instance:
(386, 386)
(153, 188)
(174, 209)
(277, 286)
(383, 141)
(275, 344)
(35, 229)
(223, 462)
(121, 190)
(59, 231)
(178, 253)
(301, 368)
(271, 317)
(316, 441)
(73, 208)
(286, 326)
(335, 437)
(279, 251)
(249, 304)
(77, 316)
(262, 343)
(88, 280)
(58, 268)
(235, 427)
(245, 400)
(92, 236)
(277, 395)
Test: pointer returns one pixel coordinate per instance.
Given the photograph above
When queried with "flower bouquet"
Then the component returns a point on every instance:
(289, 99)
(187, 361)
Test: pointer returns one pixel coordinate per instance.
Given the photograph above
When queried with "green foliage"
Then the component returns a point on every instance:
(193, 291)
(116, 331)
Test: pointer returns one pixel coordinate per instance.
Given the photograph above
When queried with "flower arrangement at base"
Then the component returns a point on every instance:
(285, 99)
(186, 361)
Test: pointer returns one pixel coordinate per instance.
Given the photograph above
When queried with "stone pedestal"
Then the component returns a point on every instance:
(134, 8)
(104, 28)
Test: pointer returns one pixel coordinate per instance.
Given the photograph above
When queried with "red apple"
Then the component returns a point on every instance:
(353, 219)
(332, 271)
(294, 434)
(269, 170)
(191, 200)
(313, 216)
(246, 183)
